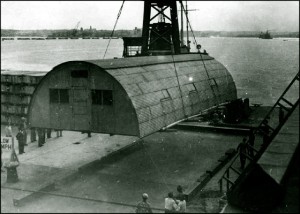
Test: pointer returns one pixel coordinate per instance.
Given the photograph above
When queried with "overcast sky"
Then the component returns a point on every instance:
(210, 15)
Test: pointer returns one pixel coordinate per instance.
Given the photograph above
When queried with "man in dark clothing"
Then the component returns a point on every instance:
(24, 128)
(32, 134)
(179, 193)
(1, 161)
(266, 132)
(144, 206)
(20, 138)
(281, 115)
(41, 134)
(251, 143)
(242, 149)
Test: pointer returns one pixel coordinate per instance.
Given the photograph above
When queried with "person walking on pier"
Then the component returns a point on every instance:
(20, 138)
(251, 143)
(242, 149)
(144, 206)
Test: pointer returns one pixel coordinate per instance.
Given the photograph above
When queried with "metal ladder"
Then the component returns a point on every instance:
(232, 175)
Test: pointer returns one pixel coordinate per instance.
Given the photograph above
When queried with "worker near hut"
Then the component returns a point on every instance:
(242, 149)
(20, 138)
(251, 143)
(281, 115)
(24, 127)
(144, 206)
(32, 134)
(49, 133)
(179, 193)
(181, 207)
(266, 132)
(41, 134)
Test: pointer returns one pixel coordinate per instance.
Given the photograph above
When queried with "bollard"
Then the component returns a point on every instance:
(12, 174)
(11, 167)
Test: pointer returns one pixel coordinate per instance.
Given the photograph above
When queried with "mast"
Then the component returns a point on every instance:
(162, 37)
(181, 33)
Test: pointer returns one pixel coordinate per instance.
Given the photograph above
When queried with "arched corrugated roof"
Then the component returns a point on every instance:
(166, 89)
(152, 85)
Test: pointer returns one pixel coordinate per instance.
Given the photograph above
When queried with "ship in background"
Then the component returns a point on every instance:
(265, 35)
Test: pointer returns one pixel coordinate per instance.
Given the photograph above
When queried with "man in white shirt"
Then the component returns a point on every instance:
(181, 206)
(170, 204)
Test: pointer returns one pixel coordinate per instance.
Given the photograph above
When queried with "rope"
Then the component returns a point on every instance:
(112, 33)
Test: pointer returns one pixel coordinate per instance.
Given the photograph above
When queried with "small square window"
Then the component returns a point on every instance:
(96, 97)
(59, 95)
(79, 74)
(107, 97)
(64, 95)
(54, 96)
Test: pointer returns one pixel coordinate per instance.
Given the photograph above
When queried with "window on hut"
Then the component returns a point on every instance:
(102, 97)
(59, 96)
(79, 74)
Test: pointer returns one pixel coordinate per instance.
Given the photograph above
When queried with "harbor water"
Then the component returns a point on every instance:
(262, 69)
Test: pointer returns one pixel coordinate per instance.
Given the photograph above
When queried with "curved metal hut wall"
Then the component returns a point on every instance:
(149, 93)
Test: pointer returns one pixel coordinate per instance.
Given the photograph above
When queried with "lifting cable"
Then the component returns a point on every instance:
(112, 33)
(195, 41)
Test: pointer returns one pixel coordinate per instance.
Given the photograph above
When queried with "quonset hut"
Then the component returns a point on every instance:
(155, 85)
(129, 96)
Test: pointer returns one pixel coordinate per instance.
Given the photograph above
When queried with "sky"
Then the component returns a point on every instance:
(207, 15)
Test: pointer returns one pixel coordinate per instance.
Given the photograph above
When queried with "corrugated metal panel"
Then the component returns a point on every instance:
(148, 60)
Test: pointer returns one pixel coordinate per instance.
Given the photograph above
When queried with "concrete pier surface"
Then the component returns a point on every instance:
(163, 161)
(75, 173)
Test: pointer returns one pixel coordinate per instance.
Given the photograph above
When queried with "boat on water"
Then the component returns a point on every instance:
(265, 35)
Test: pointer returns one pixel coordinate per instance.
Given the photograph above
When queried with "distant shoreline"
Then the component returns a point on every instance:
(134, 33)
(36, 38)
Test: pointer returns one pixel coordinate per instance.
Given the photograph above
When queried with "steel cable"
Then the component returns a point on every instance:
(112, 33)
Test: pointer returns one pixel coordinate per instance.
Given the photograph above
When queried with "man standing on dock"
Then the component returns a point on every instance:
(281, 115)
(20, 138)
(144, 206)
(251, 143)
(41, 134)
(24, 128)
(242, 149)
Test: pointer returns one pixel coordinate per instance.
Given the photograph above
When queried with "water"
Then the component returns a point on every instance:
(261, 68)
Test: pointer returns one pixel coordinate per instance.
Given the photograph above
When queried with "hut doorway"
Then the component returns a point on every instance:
(81, 109)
